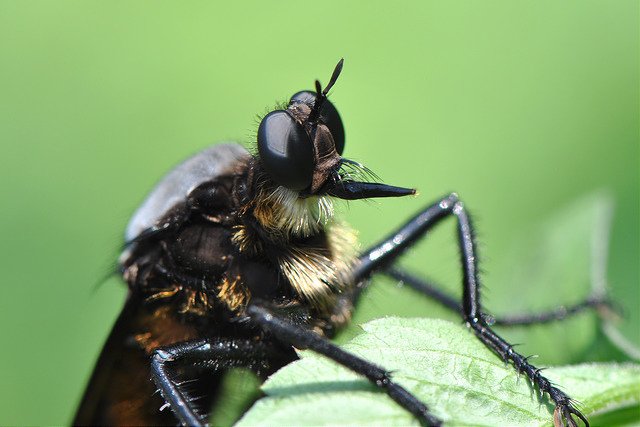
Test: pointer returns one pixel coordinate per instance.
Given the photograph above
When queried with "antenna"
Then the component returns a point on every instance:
(321, 95)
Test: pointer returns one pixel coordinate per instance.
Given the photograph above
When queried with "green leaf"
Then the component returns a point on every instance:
(446, 367)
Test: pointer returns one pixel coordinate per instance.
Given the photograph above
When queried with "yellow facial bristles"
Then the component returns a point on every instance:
(283, 212)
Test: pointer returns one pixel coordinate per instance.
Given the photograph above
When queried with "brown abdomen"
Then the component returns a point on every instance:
(121, 391)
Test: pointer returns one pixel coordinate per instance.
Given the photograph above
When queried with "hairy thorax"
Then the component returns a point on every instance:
(277, 247)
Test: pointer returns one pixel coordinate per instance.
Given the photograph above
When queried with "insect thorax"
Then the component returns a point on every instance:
(274, 246)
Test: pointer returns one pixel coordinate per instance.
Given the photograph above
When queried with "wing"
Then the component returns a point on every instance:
(99, 396)
(120, 391)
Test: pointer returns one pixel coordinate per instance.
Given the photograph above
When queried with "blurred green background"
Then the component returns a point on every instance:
(519, 106)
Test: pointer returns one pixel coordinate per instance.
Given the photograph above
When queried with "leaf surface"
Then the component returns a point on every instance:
(446, 367)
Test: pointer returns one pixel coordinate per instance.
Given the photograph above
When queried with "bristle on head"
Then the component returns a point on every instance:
(285, 214)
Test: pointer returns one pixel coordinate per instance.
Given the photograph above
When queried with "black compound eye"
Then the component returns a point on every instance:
(285, 150)
(329, 115)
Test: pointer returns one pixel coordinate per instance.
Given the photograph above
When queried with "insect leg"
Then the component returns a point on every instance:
(385, 252)
(297, 336)
(598, 302)
(215, 353)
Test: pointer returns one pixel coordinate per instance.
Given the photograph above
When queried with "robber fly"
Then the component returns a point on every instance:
(234, 259)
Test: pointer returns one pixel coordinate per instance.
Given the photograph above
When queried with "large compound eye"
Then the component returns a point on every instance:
(329, 116)
(285, 150)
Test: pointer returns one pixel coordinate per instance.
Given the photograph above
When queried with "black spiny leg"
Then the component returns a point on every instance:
(214, 353)
(292, 334)
(385, 252)
(598, 302)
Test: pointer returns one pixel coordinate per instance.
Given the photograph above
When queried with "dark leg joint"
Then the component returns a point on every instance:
(160, 357)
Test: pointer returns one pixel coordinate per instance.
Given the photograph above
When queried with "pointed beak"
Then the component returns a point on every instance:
(353, 190)
(344, 182)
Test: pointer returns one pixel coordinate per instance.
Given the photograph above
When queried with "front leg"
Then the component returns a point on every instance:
(385, 252)
(212, 353)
